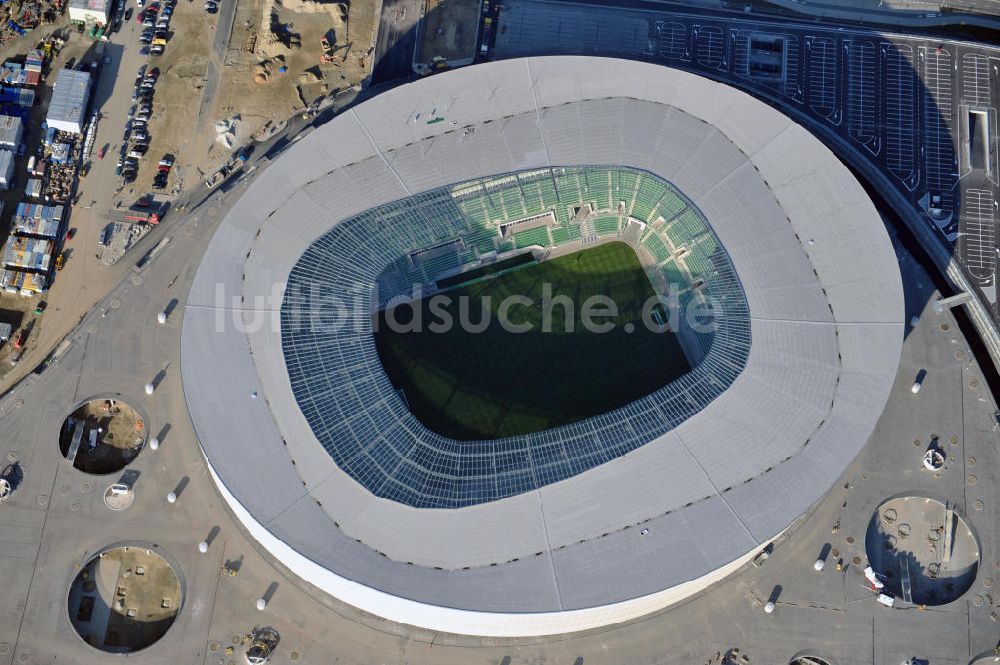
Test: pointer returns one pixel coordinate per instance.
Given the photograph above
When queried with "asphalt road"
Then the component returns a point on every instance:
(223, 29)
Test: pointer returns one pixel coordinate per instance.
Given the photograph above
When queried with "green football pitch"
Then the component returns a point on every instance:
(494, 383)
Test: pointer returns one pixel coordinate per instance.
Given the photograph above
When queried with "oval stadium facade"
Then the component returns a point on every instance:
(513, 485)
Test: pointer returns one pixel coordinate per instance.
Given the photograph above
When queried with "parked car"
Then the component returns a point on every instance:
(128, 14)
(167, 11)
(141, 135)
(145, 38)
(21, 149)
(211, 7)
(129, 176)
(163, 23)
(156, 49)
(144, 50)
(141, 72)
(140, 149)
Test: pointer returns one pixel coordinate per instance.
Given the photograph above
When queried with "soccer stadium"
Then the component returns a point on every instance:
(496, 483)
(437, 233)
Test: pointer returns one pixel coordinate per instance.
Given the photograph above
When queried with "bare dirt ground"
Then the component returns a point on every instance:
(15, 309)
(121, 433)
(175, 103)
(449, 30)
(263, 41)
(146, 597)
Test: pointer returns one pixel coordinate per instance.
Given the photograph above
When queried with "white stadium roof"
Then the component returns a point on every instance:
(826, 312)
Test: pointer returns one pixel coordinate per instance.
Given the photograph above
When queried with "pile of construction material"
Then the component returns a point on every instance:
(225, 131)
(62, 151)
(18, 18)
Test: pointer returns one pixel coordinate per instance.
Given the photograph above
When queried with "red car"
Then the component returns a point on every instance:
(104, 149)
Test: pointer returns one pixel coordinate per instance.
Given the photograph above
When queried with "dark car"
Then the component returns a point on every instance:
(211, 7)
(129, 176)
(145, 38)
(144, 50)
(128, 14)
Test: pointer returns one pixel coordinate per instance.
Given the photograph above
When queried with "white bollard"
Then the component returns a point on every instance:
(150, 388)
(261, 604)
(171, 497)
(154, 444)
(161, 318)
(769, 607)
(203, 546)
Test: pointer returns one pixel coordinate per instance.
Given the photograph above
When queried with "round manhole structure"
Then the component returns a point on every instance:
(924, 551)
(124, 599)
(808, 658)
(986, 659)
(103, 435)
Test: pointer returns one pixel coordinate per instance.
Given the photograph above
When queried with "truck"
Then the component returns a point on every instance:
(484, 47)
(134, 216)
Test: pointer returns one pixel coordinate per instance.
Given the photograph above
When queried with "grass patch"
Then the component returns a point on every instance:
(467, 385)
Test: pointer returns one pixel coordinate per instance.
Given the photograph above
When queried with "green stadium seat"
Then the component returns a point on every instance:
(606, 225)
(565, 234)
(656, 247)
(538, 236)
(482, 239)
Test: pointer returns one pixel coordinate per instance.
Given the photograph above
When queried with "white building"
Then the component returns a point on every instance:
(11, 129)
(6, 168)
(69, 101)
(89, 11)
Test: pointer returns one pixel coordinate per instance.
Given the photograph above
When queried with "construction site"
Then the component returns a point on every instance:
(447, 34)
(284, 56)
(102, 436)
